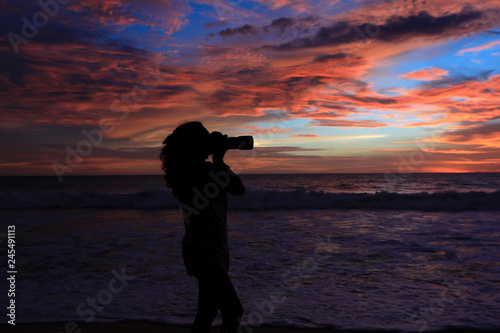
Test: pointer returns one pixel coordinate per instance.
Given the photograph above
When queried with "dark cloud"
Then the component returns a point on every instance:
(426, 24)
(304, 81)
(491, 129)
(42, 143)
(456, 79)
(341, 106)
(370, 100)
(395, 28)
(66, 26)
(284, 24)
(280, 151)
(327, 57)
(243, 30)
(215, 24)
(250, 71)
(278, 26)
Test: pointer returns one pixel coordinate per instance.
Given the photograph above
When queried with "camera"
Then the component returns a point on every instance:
(244, 142)
(217, 141)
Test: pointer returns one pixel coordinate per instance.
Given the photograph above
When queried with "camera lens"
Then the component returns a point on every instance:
(240, 142)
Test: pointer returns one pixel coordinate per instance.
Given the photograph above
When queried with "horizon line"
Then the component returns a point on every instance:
(250, 174)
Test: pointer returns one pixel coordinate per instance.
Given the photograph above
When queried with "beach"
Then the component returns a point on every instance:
(134, 327)
(146, 327)
(107, 251)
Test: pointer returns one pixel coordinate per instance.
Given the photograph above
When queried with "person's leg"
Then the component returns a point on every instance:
(207, 303)
(229, 304)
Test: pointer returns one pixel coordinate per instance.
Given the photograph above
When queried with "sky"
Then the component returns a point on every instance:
(94, 87)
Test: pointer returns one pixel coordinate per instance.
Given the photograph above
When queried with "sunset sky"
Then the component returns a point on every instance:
(323, 86)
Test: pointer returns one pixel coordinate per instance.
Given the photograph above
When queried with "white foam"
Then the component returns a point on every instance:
(258, 199)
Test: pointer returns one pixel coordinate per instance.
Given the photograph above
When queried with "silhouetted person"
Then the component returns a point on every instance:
(202, 188)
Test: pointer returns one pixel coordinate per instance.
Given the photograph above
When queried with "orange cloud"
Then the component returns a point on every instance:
(429, 74)
(479, 48)
(60, 85)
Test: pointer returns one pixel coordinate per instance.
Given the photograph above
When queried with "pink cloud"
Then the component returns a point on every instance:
(424, 74)
(479, 48)
(234, 83)
(260, 130)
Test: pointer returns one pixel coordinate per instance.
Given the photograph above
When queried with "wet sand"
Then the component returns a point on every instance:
(148, 327)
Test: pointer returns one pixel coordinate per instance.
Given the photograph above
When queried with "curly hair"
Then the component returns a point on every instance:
(182, 154)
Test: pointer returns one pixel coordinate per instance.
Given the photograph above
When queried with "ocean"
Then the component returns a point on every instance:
(409, 252)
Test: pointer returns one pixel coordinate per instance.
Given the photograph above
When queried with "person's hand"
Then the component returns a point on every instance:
(219, 142)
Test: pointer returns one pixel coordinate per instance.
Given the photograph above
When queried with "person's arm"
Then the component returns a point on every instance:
(235, 186)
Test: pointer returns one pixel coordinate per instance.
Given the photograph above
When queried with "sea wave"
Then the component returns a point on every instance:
(258, 199)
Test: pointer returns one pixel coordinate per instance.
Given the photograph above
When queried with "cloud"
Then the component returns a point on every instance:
(305, 7)
(70, 79)
(86, 58)
(244, 30)
(393, 30)
(279, 27)
(430, 74)
(255, 130)
(479, 48)
(164, 16)
(487, 135)
(347, 123)
(304, 136)
(326, 57)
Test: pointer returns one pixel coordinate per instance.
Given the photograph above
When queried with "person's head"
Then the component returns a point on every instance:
(183, 151)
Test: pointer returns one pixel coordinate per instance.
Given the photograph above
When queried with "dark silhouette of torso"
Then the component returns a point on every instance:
(205, 243)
